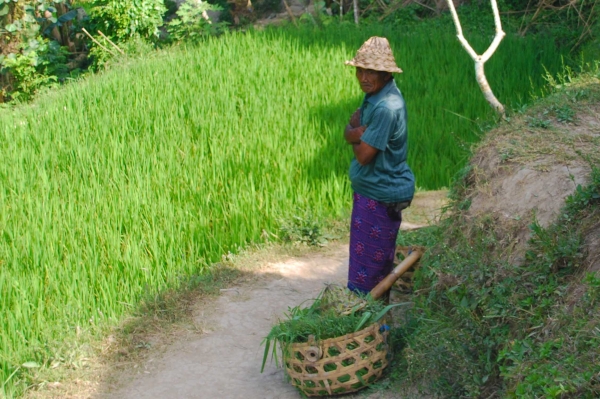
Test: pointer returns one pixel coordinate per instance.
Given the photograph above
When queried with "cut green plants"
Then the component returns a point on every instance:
(335, 312)
(330, 345)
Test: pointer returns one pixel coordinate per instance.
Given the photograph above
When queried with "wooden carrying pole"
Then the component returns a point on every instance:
(385, 284)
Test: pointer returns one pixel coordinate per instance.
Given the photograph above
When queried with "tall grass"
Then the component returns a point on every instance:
(117, 186)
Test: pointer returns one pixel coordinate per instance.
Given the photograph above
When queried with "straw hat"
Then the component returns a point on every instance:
(375, 54)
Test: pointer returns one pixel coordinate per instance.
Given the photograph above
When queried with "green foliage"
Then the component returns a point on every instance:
(570, 24)
(476, 19)
(36, 61)
(35, 58)
(124, 19)
(564, 113)
(28, 68)
(306, 229)
(5, 7)
(190, 25)
(264, 7)
(460, 183)
(559, 357)
(134, 48)
(539, 123)
(171, 6)
(323, 318)
(588, 196)
(40, 60)
(506, 328)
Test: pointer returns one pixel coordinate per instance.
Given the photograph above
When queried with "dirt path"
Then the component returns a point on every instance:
(223, 360)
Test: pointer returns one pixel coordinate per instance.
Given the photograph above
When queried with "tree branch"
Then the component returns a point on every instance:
(480, 60)
(97, 42)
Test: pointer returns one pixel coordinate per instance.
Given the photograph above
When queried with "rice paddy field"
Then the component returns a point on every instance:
(123, 184)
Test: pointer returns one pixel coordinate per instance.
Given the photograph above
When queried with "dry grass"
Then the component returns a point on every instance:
(554, 130)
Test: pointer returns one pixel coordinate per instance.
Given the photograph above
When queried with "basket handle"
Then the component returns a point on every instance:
(384, 285)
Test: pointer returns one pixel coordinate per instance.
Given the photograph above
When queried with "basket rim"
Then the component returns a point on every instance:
(326, 341)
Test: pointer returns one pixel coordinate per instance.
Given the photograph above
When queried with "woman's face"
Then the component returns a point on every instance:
(371, 81)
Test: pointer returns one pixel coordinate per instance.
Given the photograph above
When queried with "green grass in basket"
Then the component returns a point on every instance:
(322, 323)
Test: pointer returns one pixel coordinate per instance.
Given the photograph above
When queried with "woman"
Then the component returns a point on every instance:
(383, 183)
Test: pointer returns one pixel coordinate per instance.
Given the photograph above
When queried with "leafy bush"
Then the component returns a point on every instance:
(123, 19)
(32, 60)
(191, 24)
(29, 69)
(303, 229)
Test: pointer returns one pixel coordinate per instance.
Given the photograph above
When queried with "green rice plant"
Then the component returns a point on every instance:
(446, 108)
(122, 185)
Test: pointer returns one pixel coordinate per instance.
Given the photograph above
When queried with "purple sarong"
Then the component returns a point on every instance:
(372, 243)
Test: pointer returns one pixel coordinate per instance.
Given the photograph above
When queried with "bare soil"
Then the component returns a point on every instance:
(522, 174)
(223, 360)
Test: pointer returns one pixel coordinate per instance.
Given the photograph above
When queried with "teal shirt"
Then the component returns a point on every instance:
(387, 178)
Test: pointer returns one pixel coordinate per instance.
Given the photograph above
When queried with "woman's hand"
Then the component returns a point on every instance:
(354, 130)
(355, 118)
(352, 135)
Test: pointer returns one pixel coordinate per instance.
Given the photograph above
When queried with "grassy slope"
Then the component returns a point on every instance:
(485, 324)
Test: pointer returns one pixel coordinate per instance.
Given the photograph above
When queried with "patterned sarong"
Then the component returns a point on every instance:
(372, 244)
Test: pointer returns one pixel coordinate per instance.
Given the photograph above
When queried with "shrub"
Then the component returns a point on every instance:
(28, 69)
(123, 19)
(30, 60)
(191, 24)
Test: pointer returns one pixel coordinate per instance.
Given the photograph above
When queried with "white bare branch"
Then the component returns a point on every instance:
(480, 60)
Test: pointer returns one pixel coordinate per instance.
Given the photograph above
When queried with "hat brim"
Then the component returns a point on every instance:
(374, 66)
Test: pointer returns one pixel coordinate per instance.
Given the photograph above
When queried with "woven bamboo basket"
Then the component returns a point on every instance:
(338, 365)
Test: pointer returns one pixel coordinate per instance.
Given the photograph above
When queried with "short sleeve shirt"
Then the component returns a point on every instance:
(387, 178)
